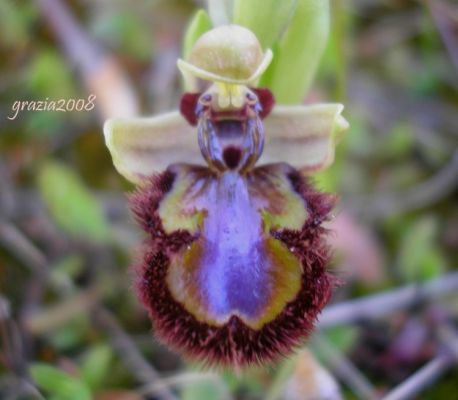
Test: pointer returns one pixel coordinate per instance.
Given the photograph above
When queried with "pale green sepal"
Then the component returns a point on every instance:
(188, 69)
(141, 147)
(303, 136)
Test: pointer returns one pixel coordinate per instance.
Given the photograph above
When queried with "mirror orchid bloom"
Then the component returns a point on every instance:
(233, 267)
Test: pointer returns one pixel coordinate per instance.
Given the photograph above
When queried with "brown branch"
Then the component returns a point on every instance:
(343, 368)
(18, 245)
(445, 18)
(187, 378)
(129, 352)
(27, 254)
(21, 247)
(380, 305)
(424, 377)
(51, 318)
(5, 310)
(101, 73)
(12, 353)
(436, 188)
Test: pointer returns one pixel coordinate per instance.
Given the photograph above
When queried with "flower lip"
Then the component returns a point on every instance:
(234, 341)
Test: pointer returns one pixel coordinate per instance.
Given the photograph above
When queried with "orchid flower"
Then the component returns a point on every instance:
(233, 269)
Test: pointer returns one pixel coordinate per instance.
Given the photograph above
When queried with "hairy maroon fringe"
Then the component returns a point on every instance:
(234, 343)
(144, 203)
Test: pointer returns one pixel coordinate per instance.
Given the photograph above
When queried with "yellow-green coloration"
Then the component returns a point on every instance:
(267, 19)
(285, 208)
(230, 54)
(180, 279)
(199, 24)
(230, 51)
(284, 278)
(141, 147)
(174, 213)
(298, 52)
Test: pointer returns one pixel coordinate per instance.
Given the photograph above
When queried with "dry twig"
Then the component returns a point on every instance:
(421, 379)
(129, 352)
(101, 73)
(20, 246)
(427, 193)
(345, 369)
(380, 305)
(445, 17)
(187, 378)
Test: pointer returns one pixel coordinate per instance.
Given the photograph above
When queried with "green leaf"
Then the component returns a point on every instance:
(248, 382)
(44, 123)
(65, 270)
(13, 30)
(298, 53)
(70, 336)
(282, 374)
(200, 390)
(418, 258)
(70, 203)
(50, 77)
(59, 384)
(96, 366)
(399, 142)
(126, 32)
(432, 265)
(342, 337)
(266, 18)
(200, 23)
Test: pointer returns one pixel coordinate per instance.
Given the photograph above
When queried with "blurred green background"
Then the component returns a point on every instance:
(70, 325)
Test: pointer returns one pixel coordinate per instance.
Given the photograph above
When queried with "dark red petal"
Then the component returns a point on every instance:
(188, 105)
(267, 100)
